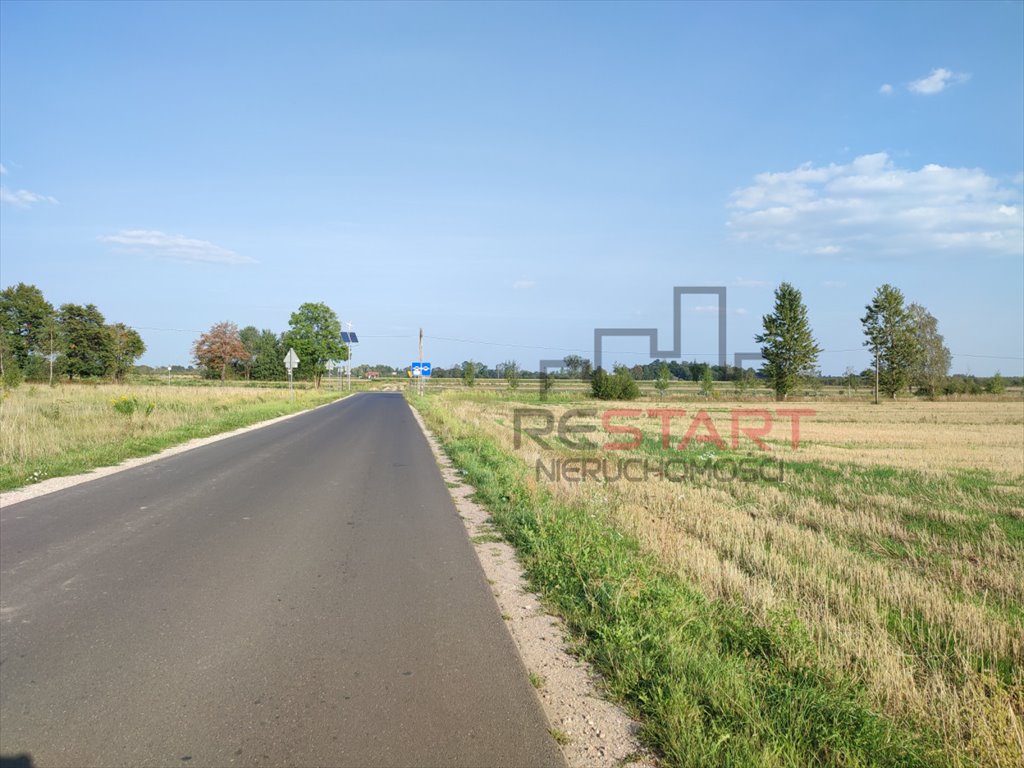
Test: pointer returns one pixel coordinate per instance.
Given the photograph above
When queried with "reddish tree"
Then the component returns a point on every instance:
(219, 348)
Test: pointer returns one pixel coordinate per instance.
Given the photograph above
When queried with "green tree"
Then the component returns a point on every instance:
(511, 372)
(573, 365)
(697, 371)
(931, 365)
(249, 336)
(617, 386)
(126, 346)
(315, 334)
(87, 341)
(743, 382)
(25, 317)
(787, 344)
(219, 348)
(707, 383)
(268, 357)
(469, 371)
(890, 338)
(662, 382)
(996, 385)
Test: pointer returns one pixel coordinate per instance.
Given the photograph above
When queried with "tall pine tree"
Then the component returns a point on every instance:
(788, 346)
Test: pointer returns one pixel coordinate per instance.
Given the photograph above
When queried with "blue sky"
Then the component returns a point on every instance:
(511, 176)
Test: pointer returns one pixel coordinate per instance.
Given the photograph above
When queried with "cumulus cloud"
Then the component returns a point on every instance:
(937, 81)
(886, 89)
(872, 207)
(176, 247)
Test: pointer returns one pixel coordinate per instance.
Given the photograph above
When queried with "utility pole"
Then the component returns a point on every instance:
(876, 375)
(50, 356)
(419, 385)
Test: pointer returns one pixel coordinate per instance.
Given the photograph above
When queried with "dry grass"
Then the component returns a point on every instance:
(45, 432)
(897, 539)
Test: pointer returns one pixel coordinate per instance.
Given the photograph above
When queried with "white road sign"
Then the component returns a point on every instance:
(291, 360)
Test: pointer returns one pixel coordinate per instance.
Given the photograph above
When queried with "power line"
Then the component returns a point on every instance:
(577, 349)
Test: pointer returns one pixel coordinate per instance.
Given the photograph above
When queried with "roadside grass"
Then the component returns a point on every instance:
(52, 432)
(857, 610)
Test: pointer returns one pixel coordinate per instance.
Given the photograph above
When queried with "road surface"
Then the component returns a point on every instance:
(302, 594)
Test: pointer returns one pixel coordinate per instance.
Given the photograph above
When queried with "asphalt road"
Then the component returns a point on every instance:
(302, 594)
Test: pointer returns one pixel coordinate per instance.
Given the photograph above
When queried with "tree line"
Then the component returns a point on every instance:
(314, 332)
(40, 342)
(908, 354)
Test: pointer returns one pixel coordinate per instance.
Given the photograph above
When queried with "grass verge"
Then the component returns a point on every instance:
(54, 432)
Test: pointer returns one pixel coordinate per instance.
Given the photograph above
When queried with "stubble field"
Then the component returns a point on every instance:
(865, 608)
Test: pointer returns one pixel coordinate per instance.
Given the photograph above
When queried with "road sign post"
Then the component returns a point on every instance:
(291, 361)
(420, 372)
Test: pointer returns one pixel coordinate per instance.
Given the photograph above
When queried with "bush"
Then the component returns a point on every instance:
(12, 377)
(617, 386)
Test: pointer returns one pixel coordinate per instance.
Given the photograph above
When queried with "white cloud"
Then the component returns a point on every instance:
(3, 170)
(834, 284)
(176, 247)
(937, 81)
(886, 89)
(740, 311)
(872, 207)
(741, 282)
(522, 285)
(23, 198)
(705, 309)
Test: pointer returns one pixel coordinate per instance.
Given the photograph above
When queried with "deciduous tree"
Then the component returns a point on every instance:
(662, 382)
(891, 340)
(931, 365)
(573, 365)
(787, 344)
(126, 346)
(268, 357)
(25, 317)
(315, 334)
(220, 348)
(87, 341)
(511, 372)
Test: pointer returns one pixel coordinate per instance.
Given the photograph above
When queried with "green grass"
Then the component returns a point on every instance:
(712, 685)
(136, 436)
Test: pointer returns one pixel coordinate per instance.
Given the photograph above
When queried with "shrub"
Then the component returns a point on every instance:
(12, 377)
(125, 405)
(617, 386)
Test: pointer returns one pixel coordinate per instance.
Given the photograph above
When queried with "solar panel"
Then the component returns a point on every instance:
(355, 339)
(346, 337)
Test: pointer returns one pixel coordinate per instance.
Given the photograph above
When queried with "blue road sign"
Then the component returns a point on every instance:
(421, 369)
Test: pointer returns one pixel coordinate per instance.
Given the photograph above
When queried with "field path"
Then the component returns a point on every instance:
(302, 594)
